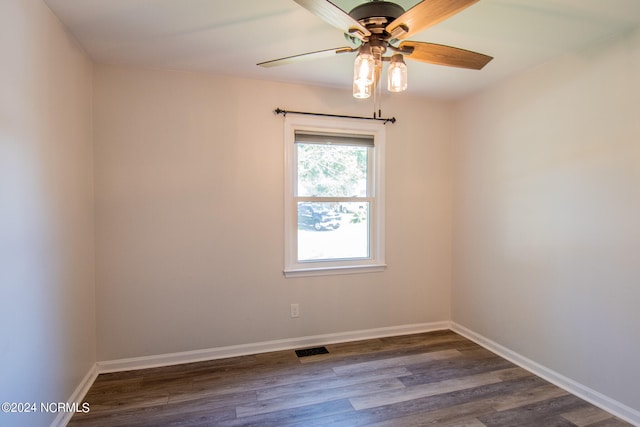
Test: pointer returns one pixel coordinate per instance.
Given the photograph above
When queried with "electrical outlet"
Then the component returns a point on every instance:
(295, 310)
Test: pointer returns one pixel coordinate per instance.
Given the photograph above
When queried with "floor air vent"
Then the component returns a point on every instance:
(312, 351)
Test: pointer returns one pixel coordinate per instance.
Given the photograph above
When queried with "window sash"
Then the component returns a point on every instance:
(371, 235)
(371, 178)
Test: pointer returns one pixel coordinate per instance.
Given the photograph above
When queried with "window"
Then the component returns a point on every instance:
(334, 196)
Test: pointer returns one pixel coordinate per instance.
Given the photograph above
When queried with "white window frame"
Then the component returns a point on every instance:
(376, 260)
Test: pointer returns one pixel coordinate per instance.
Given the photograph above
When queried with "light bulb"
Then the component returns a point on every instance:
(364, 68)
(363, 73)
(397, 74)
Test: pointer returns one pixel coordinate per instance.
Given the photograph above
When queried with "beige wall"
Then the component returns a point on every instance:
(189, 185)
(547, 216)
(189, 233)
(47, 309)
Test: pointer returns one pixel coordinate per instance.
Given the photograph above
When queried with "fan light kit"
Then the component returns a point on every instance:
(376, 27)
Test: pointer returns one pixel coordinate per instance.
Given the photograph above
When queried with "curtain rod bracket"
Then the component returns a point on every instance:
(384, 121)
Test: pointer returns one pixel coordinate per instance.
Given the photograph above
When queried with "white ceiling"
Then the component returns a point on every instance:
(230, 37)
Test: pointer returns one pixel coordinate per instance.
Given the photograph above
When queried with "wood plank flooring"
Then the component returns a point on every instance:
(431, 379)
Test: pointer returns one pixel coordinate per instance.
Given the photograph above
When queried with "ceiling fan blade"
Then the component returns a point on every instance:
(335, 16)
(306, 57)
(424, 15)
(445, 55)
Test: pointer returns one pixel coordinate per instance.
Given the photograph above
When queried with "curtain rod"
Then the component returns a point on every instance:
(385, 121)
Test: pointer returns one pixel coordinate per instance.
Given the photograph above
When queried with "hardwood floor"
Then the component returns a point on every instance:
(432, 379)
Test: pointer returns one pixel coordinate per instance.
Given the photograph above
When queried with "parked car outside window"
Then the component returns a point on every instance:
(318, 216)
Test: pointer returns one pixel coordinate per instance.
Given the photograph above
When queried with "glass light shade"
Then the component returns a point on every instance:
(362, 90)
(397, 74)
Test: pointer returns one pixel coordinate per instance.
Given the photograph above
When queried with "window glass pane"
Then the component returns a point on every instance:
(331, 170)
(329, 231)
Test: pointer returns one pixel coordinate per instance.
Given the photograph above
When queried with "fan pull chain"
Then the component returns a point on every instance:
(379, 90)
(377, 97)
(379, 100)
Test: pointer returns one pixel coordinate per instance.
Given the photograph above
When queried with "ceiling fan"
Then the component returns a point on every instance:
(378, 26)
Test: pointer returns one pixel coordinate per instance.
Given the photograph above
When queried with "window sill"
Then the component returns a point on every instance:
(328, 271)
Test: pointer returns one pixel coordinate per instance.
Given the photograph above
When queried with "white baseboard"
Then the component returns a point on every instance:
(77, 396)
(263, 347)
(598, 399)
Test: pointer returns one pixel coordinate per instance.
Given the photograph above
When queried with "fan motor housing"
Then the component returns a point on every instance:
(377, 9)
